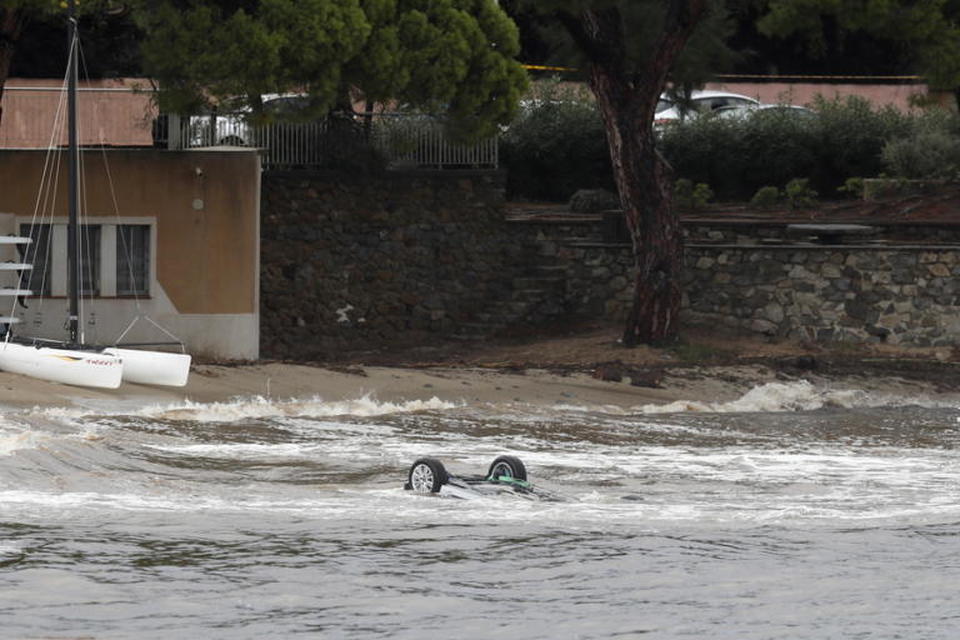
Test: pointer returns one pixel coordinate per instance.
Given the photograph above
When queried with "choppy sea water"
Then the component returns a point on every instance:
(793, 512)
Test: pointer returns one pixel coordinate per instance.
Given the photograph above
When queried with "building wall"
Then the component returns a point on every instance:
(110, 112)
(204, 208)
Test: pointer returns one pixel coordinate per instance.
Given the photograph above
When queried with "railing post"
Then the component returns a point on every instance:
(173, 132)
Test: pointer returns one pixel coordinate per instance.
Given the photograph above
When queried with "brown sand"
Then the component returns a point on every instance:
(584, 367)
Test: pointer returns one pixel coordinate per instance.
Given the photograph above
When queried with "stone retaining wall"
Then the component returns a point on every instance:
(360, 262)
(903, 295)
(900, 294)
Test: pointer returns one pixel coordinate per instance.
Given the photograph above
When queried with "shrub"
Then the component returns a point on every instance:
(799, 194)
(683, 193)
(841, 139)
(702, 195)
(737, 156)
(927, 154)
(852, 187)
(851, 135)
(686, 195)
(765, 197)
(556, 146)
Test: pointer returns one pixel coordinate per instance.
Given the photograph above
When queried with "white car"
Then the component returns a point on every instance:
(789, 110)
(234, 129)
(701, 102)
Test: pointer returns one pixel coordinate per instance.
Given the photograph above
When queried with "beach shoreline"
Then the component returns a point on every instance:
(583, 368)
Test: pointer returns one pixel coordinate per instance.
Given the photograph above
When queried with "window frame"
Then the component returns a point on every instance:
(109, 260)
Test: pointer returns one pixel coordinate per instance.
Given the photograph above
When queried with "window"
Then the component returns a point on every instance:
(36, 253)
(115, 259)
(133, 259)
(89, 259)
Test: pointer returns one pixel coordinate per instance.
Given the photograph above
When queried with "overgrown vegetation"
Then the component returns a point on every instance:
(557, 147)
(687, 195)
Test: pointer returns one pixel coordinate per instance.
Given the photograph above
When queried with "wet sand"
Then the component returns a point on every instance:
(462, 384)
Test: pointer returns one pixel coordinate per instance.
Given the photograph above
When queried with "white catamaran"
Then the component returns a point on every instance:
(72, 361)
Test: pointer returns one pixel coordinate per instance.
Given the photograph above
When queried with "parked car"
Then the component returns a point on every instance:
(229, 128)
(746, 111)
(701, 102)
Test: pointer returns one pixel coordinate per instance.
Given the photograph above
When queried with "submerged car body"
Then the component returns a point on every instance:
(507, 475)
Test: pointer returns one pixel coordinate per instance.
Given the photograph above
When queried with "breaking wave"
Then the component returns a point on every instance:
(791, 396)
(260, 407)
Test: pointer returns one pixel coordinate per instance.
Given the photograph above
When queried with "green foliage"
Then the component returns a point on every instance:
(686, 195)
(765, 197)
(931, 150)
(705, 53)
(928, 31)
(445, 56)
(852, 187)
(841, 139)
(683, 193)
(852, 133)
(923, 155)
(799, 194)
(702, 195)
(556, 146)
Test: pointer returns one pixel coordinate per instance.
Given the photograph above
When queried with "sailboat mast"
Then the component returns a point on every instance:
(74, 181)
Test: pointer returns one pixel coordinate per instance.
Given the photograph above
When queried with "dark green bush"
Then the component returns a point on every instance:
(765, 197)
(927, 154)
(799, 194)
(556, 146)
(841, 139)
(851, 135)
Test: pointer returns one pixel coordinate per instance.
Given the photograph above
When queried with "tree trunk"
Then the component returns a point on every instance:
(644, 182)
(11, 25)
(627, 89)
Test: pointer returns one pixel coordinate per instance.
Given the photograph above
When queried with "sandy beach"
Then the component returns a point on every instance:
(583, 367)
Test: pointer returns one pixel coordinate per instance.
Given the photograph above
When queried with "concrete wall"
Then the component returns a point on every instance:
(203, 207)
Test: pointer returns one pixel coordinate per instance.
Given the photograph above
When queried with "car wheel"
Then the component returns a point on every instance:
(508, 466)
(427, 475)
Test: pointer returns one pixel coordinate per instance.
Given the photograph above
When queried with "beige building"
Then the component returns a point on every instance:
(175, 244)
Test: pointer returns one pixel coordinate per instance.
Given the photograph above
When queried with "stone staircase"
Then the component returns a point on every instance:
(536, 297)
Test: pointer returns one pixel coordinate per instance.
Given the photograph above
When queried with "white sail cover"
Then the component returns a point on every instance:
(67, 366)
(152, 367)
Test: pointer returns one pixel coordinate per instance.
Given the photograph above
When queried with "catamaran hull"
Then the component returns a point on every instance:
(66, 366)
(153, 367)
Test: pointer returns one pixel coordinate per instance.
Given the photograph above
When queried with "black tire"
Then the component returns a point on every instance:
(508, 466)
(427, 475)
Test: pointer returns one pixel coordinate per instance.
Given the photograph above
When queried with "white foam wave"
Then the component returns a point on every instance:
(16, 441)
(315, 407)
(789, 396)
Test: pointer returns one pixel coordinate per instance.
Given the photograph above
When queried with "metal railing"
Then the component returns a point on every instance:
(126, 116)
(400, 140)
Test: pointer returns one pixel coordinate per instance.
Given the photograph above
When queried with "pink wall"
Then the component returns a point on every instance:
(110, 117)
(897, 95)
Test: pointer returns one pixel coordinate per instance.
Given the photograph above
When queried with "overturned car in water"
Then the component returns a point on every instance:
(507, 475)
